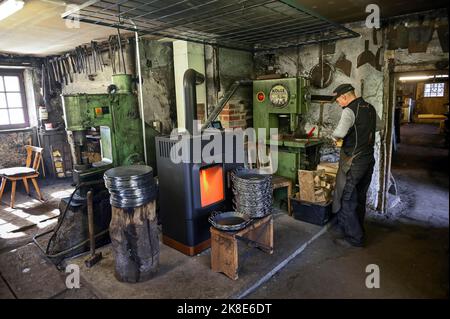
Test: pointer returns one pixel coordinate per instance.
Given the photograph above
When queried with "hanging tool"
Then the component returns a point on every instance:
(344, 65)
(94, 258)
(322, 73)
(442, 32)
(402, 34)
(121, 51)
(420, 36)
(111, 55)
(67, 67)
(366, 56)
(374, 36)
(63, 70)
(378, 64)
(94, 56)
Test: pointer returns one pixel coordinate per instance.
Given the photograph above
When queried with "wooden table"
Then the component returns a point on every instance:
(224, 247)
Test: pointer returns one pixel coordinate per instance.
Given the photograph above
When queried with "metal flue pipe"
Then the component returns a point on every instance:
(191, 78)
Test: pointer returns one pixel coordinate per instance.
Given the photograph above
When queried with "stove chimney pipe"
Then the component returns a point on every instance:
(190, 80)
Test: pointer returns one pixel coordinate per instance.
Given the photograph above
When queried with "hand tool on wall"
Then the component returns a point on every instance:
(67, 67)
(344, 65)
(442, 32)
(63, 70)
(111, 55)
(374, 36)
(60, 74)
(402, 34)
(378, 64)
(94, 56)
(420, 36)
(93, 258)
(366, 56)
(119, 39)
(322, 73)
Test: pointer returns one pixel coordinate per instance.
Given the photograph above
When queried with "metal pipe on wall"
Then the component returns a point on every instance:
(141, 96)
(191, 78)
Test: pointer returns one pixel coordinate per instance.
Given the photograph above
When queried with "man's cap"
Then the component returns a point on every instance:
(342, 89)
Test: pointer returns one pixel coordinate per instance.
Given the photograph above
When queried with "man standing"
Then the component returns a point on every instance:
(356, 128)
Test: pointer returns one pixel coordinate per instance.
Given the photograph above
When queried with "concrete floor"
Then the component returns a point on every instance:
(411, 251)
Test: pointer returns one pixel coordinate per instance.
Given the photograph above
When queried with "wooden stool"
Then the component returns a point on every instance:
(280, 182)
(224, 247)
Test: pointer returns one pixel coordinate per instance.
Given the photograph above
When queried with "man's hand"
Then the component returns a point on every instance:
(337, 142)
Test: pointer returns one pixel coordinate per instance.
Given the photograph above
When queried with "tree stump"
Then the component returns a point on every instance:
(135, 242)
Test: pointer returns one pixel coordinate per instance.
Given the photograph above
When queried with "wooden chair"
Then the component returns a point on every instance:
(30, 171)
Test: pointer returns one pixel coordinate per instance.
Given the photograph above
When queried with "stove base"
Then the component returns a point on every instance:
(187, 250)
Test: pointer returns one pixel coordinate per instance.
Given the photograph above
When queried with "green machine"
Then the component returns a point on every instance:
(116, 116)
(282, 104)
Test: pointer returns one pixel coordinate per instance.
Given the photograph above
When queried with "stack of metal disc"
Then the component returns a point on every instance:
(252, 192)
(130, 186)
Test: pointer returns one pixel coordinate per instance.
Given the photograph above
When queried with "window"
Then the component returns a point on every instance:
(13, 108)
(434, 90)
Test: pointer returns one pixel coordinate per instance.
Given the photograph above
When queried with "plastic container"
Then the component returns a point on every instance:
(313, 213)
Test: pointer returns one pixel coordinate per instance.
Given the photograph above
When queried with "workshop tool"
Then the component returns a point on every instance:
(310, 133)
(402, 35)
(362, 88)
(93, 258)
(54, 70)
(378, 64)
(111, 55)
(374, 36)
(321, 74)
(87, 59)
(282, 104)
(366, 56)
(420, 36)
(442, 32)
(60, 74)
(63, 70)
(391, 38)
(119, 39)
(68, 68)
(344, 65)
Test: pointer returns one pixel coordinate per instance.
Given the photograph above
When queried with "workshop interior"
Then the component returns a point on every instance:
(186, 149)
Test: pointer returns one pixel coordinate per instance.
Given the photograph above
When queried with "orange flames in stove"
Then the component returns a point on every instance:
(211, 185)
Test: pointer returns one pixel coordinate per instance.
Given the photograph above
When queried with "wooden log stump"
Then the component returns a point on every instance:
(135, 242)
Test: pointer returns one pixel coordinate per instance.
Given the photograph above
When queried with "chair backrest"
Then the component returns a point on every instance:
(37, 152)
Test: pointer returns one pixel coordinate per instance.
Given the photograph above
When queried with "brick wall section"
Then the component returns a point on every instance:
(235, 116)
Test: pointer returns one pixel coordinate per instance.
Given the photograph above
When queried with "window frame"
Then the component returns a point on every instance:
(434, 96)
(19, 74)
